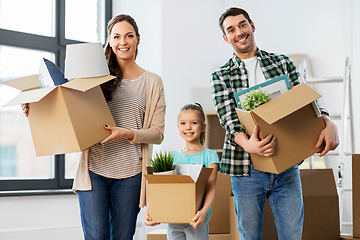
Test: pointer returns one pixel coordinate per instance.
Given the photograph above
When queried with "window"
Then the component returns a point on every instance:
(25, 38)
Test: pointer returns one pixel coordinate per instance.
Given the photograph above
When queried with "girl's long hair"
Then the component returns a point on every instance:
(111, 59)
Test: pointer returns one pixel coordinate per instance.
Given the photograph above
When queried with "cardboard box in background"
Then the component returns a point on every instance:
(356, 194)
(215, 236)
(220, 219)
(158, 234)
(293, 120)
(321, 209)
(176, 198)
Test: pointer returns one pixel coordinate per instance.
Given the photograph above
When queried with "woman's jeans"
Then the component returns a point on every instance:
(110, 209)
(285, 196)
(187, 232)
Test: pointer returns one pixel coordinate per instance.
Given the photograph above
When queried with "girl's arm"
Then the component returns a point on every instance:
(147, 219)
(200, 216)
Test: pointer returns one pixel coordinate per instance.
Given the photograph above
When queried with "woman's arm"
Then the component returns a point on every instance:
(200, 216)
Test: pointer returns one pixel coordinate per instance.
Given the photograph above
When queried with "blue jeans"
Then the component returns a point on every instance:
(285, 196)
(187, 232)
(110, 209)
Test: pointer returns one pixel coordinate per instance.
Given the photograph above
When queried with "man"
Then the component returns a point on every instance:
(250, 66)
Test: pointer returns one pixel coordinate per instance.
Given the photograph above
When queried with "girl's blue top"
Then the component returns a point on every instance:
(205, 158)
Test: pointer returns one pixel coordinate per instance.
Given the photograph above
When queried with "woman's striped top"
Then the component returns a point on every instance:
(121, 159)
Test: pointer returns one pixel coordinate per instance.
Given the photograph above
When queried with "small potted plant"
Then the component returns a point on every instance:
(163, 163)
(255, 98)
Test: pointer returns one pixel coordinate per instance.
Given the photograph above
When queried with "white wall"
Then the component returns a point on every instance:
(181, 41)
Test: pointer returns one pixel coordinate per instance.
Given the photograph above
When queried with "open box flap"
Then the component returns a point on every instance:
(30, 96)
(24, 83)
(287, 103)
(84, 84)
(168, 178)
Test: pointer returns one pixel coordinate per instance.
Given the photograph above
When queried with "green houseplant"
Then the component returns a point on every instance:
(162, 162)
(255, 98)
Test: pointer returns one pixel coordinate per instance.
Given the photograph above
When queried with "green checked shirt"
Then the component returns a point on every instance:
(231, 78)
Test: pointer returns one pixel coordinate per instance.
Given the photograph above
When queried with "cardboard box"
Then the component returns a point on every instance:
(356, 194)
(219, 236)
(321, 209)
(161, 234)
(66, 118)
(176, 198)
(293, 119)
(69, 117)
(158, 234)
(348, 237)
(220, 219)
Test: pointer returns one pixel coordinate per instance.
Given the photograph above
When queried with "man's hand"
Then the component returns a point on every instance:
(329, 135)
(253, 145)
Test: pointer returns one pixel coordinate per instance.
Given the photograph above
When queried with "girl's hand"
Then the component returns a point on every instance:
(147, 219)
(25, 109)
(117, 133)
(199, 219)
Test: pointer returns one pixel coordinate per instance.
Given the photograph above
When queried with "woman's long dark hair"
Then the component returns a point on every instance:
(112, 62)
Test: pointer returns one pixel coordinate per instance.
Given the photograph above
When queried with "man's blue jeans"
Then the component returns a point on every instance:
(110, 209)
(285, 196)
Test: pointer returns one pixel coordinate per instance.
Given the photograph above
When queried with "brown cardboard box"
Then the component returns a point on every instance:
(348, 237)
(321, 209)
(220, 220)
(65, 118)
(219, 236)
(356, 194)
(176, 198)
(158, 234)
(292, 119)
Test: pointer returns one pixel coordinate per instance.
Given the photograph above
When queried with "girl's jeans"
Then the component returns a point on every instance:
(285, 196)
(110, 209)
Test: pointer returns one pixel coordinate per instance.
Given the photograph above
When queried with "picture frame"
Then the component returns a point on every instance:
(275, 87)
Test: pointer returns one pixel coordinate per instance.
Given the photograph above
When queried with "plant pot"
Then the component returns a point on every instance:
(170, 172)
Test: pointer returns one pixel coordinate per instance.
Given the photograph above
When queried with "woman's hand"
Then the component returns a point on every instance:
(117, 133)
(25, 109)
(199, 219)
(147, 219)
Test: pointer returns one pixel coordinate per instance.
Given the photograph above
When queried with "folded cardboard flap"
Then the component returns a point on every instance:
(30, 96)
(287, 103)
(24, 83)
(84, 84)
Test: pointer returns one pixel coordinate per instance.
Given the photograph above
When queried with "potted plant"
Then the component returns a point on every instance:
(163, 163)
(255, 98)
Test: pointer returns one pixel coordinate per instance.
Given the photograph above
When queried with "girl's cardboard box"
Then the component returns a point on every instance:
(177, 198)
(293, 119)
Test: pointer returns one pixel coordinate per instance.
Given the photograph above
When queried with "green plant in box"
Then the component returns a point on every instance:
(162, 162)
(255, 98)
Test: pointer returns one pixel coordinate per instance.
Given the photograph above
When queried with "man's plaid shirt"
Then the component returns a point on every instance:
(229, 79)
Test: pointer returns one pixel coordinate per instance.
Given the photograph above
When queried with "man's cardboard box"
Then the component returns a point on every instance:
(220, 221)
(293, 119)
(69, 117)
(177, 198)
(321, 208)
(356, 194)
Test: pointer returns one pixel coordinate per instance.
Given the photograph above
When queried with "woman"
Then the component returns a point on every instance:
(109, 179)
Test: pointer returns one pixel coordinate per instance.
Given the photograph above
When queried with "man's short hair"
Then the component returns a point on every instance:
(233, 11)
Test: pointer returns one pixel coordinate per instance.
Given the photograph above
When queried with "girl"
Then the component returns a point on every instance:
(109, 179)
(191, 125)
